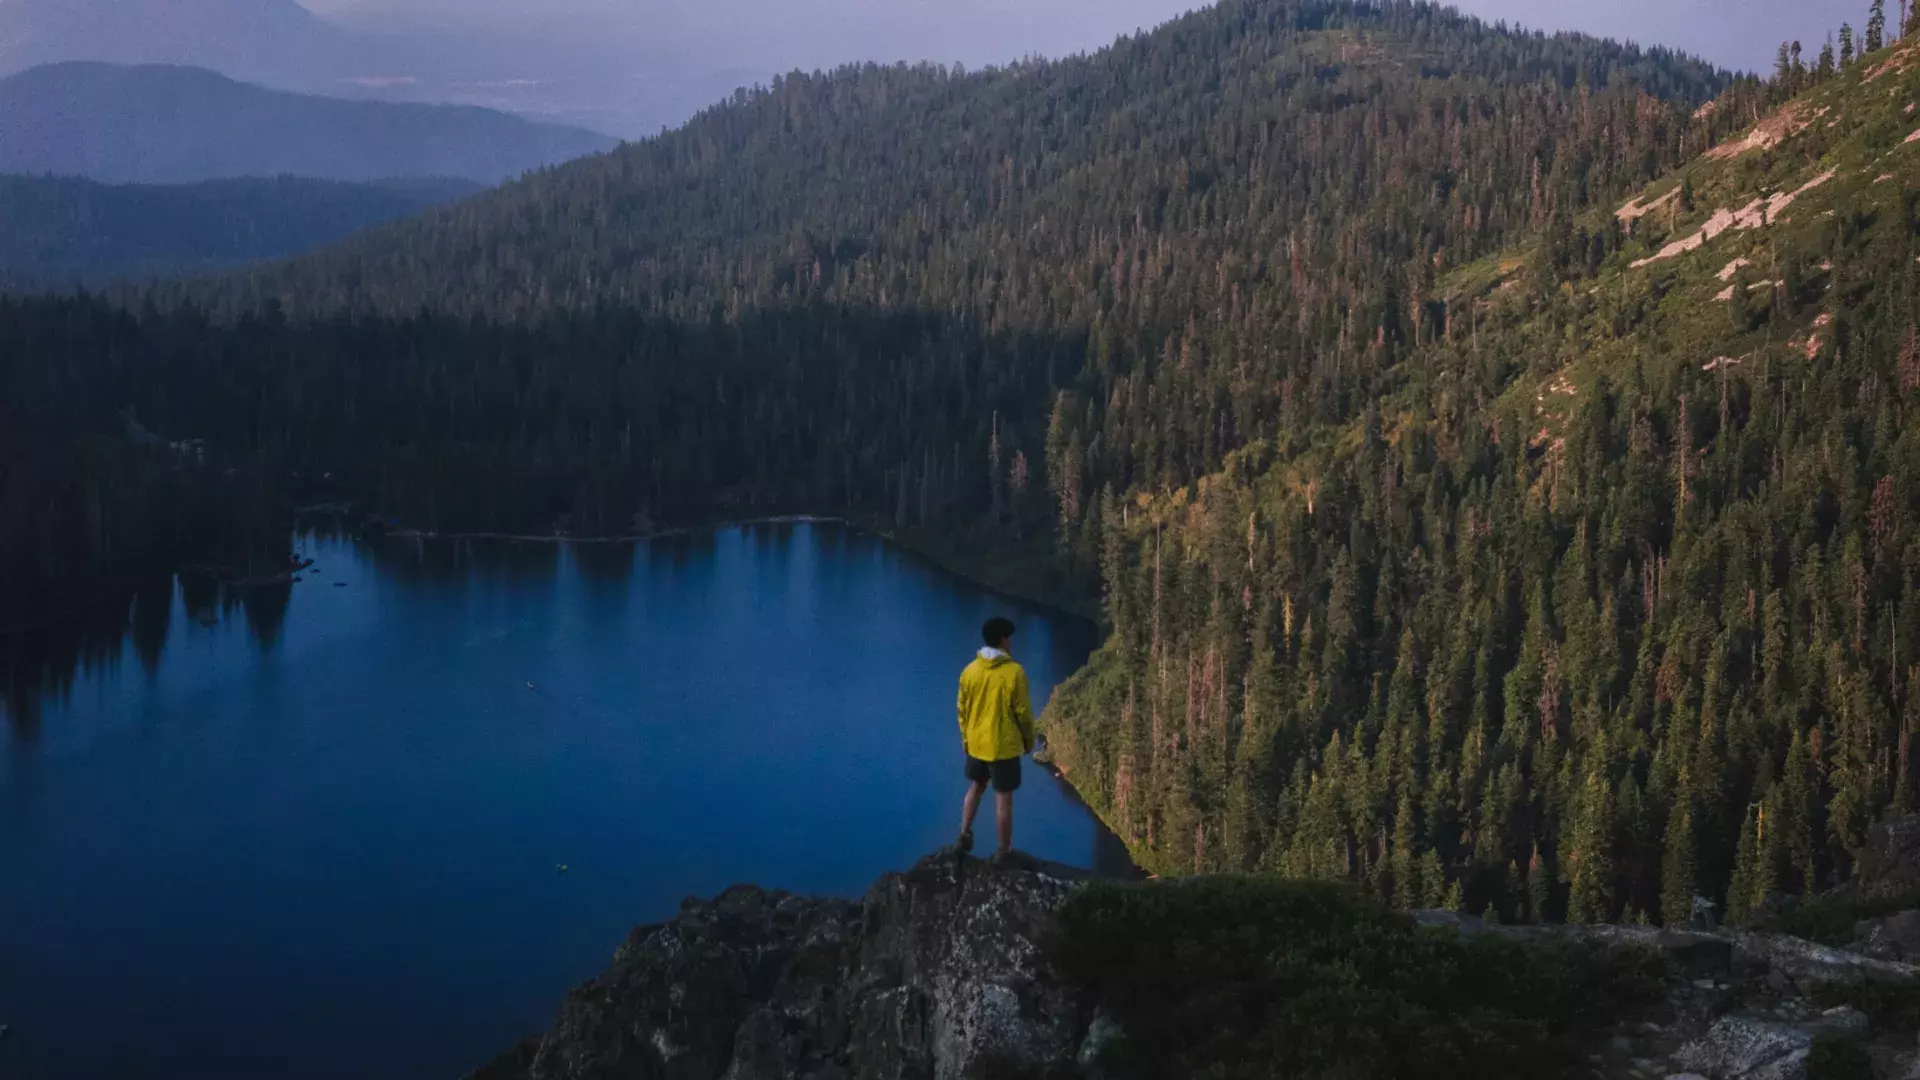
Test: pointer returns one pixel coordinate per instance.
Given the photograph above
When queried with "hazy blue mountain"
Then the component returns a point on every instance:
(56, 232)
(248, 37)
(164, 124)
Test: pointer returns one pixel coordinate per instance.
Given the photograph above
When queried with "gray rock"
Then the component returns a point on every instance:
(1890, 862)
(936, 975)
(1103, 1037)
(1737, 1045)
(1896, 937)
(1844, 1018)
(1696, 953)
(1810, 965)
(1452, 920)
(1791, 1067)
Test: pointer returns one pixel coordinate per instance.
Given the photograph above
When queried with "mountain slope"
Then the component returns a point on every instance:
(1602, 602)
(1440, 546)
(59, 231)
(863, 292)
(168, 125)
(1234, 123)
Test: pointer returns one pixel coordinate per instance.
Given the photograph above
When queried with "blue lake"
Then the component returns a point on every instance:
(316, 832)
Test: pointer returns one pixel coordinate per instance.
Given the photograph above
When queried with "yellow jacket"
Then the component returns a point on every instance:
(996, 713)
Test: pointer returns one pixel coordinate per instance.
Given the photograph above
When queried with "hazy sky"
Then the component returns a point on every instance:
(782, 34)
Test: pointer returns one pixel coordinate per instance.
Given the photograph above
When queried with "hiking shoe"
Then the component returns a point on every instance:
(964, 845)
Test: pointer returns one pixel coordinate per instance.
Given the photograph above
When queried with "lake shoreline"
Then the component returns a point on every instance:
(903, 539)
(1054, 603)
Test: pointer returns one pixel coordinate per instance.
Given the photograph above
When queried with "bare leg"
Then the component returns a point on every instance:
(1003, 816)
(970, 806)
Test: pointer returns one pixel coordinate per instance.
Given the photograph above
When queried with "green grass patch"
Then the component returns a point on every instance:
(1237, 977)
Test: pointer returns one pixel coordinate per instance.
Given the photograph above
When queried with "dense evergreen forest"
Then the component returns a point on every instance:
(1452, 534)
(62, 231)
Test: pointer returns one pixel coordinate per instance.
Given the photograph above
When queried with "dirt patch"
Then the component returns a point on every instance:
(1634, 210)
(1902, 58)
(1788, 121)
(1813, 336)
(1726, 272)
(1913, 137)
(1758, 213)
(1724, 295)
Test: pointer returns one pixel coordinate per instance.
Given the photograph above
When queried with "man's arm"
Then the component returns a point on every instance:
(1023, 710)
(960, 706)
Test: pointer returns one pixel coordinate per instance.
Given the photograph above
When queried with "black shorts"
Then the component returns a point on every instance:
(1004, 774)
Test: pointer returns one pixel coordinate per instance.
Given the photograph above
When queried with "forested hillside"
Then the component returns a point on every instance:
(1239, 148)
(56, 232)
(874, 282)
(1441, 544)
(1605, 598)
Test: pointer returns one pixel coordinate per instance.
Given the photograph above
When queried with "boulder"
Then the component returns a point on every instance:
(936, 975)
(1808, 965)
(751, 962)
(1844, 1019)
(1895, 937)
(1889, 864)
(1451, 920)
(1696, 954)
(1736, 1046)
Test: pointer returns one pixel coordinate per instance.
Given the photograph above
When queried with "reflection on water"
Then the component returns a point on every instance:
(239, 824)
(39, 668)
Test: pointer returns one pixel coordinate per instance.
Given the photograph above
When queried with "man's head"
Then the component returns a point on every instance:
(998, 633)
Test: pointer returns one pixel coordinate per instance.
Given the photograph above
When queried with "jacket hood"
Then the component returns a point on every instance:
(994, 657)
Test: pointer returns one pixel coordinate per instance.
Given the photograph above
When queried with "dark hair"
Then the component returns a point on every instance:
(996, 632)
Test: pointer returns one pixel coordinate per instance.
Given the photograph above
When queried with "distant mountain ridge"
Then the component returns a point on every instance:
(59, 232)
(247, 37)
(164, 124)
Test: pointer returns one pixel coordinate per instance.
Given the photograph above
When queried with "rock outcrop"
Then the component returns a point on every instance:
(941, 973)
(937, 974)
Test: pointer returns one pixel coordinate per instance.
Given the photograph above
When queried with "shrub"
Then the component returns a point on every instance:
(1242, 977)
(1838, 1057)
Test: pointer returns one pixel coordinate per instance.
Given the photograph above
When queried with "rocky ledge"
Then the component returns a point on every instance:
(948, 971)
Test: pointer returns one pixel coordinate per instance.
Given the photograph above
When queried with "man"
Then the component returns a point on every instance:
(996, 726)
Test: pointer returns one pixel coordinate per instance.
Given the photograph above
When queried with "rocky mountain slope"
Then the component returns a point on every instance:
(169, 125)
(960, 968)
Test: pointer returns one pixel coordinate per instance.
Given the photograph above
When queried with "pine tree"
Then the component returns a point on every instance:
(1539, 887)
(1797, 813)
(1877, 26)
(1590, 896)
(1679, 868)
(1408, 890)
(1846, 45)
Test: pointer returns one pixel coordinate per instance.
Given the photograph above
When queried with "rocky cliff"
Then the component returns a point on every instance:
(960, 969)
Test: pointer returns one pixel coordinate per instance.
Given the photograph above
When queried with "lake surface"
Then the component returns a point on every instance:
(315, 831)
